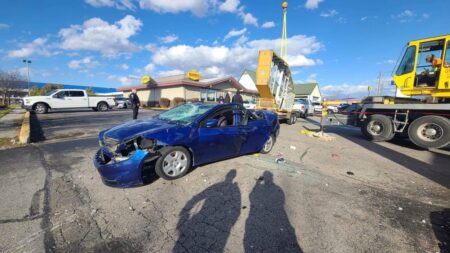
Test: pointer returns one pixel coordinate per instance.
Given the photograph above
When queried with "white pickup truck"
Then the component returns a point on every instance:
(66, 99)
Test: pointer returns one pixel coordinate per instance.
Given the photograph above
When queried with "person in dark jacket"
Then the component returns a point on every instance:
(227, 99)
(135, 103)
(220, 100)
(237, 98)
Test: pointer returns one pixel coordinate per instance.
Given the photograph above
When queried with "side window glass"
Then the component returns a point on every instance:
(447, 56)
(60, 94)
(407, 63)
(429, 52)
(76, 94)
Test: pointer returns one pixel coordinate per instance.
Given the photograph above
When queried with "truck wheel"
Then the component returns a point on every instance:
(102, 106)
(173, 163)
(292, 119)
(41, 108)
(430, 132)
(378, 127)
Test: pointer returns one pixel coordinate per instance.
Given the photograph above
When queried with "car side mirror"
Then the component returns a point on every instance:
(212, 123)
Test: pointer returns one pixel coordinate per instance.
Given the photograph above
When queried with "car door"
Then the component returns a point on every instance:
(77, 99)
(218, 142)
(58, 100)
(253, 131)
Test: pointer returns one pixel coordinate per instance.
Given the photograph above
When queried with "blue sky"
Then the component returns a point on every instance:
(341, 44)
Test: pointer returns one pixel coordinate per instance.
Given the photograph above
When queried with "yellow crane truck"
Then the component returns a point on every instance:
(275, 86)
(423, 72)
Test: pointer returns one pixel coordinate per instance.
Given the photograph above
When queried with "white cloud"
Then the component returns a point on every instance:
(248, 18)
(425, 15)
(406, 13)
(151, 47)
(38, 46)
(83, 64)
(197, 7)
(98, 35)
(229, 6)
(235, 33)
(124, 66)
(173, 72)
(329, 14)
(240, 41)
(149, 68)
(344, 90)
(222, 60)
(3, 26)
(168, 39)
(312, 4)
(125, 80)
(268, 24)
(119, 4)
(364, 18)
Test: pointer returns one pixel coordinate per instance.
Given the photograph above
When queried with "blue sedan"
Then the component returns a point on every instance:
(185, 136)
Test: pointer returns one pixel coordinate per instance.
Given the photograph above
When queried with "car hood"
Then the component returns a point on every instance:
(35, 97)
(137, 127)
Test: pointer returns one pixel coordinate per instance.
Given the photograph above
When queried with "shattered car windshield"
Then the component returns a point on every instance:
(185, 114)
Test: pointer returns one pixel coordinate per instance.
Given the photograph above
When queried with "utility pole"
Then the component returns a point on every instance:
(28, 73)
(283, 50)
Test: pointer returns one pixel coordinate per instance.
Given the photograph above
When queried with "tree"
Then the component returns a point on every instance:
(9, 84)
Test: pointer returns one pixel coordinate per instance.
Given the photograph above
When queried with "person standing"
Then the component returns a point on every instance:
(135, 103)
(237, 98)
(227, 99)
(220, 100)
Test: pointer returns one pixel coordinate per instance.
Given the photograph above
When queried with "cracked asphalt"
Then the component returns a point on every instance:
(346, 195)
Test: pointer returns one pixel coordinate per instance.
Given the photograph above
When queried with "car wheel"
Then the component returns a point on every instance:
(268, 145)
(378, 127)
(41, 108)
(292, 119)
(94, 109)
(102, 107)
(125, 106)
(174, 163)
(430, 132)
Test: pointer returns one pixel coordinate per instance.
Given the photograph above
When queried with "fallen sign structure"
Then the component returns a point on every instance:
(275, 85)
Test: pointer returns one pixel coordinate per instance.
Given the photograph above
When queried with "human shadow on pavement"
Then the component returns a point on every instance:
(267, 228)
(441, 226)
(206, 220)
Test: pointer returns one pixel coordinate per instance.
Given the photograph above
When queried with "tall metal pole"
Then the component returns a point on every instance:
(283, 50)
(28, 74)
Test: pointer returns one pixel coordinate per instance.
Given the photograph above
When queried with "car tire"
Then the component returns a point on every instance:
(41, 108)
(168, 164)
(292, 119)
(430, 132)
(378, 127)
(102, 107)
(268, 145)
(125, 106)
(95, 109)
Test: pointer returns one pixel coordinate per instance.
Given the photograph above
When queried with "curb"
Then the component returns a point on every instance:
(24, 135)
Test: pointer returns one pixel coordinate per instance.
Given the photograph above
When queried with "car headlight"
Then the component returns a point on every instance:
(26, 101)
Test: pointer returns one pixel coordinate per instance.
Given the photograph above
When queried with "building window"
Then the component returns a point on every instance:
(211, 96)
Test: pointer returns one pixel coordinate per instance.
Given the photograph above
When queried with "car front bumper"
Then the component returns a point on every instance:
(121, 174)
(26, 107)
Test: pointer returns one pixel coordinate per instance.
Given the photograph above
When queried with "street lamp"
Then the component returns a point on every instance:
(28, 73)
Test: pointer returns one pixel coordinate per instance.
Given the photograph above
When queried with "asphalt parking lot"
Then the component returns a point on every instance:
(345, 195)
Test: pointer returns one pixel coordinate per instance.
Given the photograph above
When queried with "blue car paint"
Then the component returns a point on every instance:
(205, 144)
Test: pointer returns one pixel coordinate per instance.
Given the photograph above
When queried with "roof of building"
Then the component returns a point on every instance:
(251, 73)
(304, 89)
(182, 80)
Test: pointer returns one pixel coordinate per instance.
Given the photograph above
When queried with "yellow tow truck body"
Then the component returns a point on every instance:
(415, 76)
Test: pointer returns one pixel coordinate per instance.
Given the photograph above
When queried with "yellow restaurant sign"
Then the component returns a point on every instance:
(146, 79)
(193, 75)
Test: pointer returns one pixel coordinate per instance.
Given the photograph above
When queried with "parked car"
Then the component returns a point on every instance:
(332, 108)
(317, 107)
(350, 109)
(66, 99)
(251, 105)
(122, 103)
(303, 107)
(185, 136)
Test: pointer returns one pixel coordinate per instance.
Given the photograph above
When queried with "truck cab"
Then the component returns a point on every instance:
(67, 99)
(424, 68)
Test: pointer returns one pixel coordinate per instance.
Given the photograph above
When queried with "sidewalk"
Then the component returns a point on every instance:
(10, 124)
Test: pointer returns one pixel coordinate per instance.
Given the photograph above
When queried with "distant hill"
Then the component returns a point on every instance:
(24, 85)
